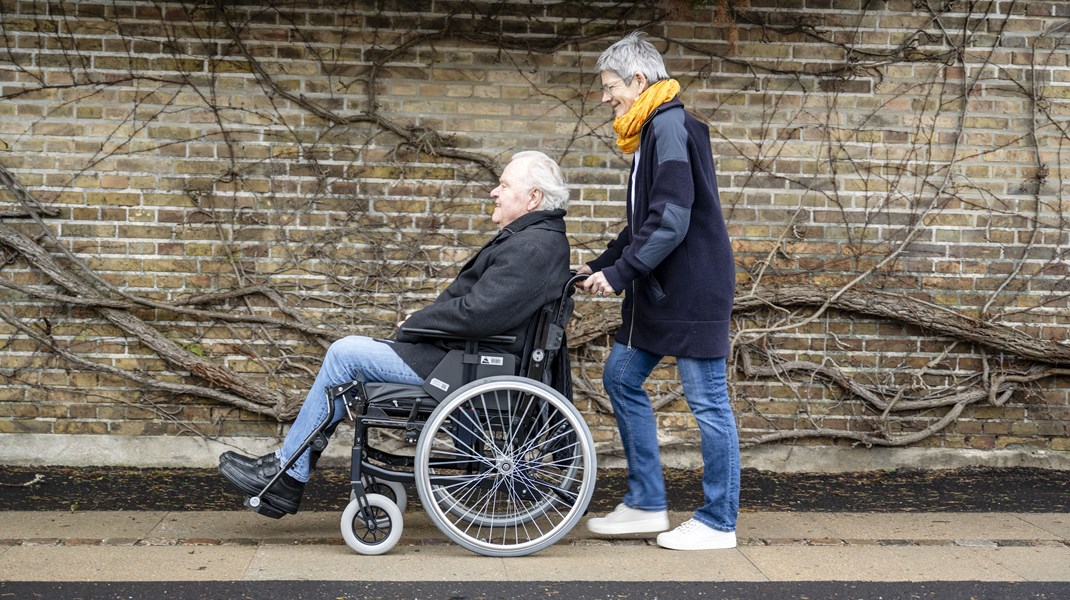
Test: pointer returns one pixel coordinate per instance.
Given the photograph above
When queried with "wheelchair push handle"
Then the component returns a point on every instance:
(576, 279)
(570, 287)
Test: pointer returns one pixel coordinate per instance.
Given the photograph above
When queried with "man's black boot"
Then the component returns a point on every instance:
(250, 478)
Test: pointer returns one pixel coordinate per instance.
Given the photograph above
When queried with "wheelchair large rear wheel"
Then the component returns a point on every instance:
(505, 466)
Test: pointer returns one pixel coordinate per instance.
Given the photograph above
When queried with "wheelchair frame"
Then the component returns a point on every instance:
(504, 465)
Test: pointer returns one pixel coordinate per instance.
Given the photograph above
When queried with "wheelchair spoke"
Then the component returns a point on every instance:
(470, 496)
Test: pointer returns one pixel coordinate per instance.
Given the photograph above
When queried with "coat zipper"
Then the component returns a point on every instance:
(631, 325)
(631, 225)
(631, 221)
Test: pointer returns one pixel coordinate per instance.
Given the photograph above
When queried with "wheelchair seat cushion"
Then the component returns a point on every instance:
(398, 395)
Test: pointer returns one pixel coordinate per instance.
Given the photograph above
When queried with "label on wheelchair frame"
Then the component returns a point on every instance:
(455, 370)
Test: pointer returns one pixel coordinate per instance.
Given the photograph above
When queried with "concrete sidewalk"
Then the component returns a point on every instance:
(774, 546)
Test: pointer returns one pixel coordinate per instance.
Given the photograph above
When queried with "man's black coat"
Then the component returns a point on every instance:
(515, 274)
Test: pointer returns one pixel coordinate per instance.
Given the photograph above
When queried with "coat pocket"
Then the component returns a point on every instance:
(654, 287)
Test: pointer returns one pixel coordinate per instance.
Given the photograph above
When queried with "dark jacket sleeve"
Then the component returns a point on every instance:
(613, 251)
(672, 194)
(504, 296)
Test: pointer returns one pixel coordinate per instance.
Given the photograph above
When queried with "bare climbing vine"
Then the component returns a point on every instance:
(365, 265)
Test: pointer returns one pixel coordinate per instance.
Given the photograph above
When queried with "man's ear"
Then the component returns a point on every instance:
(535, 199)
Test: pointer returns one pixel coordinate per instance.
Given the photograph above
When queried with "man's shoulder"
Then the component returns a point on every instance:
(545, 241)
(541, 244)
(540, 225)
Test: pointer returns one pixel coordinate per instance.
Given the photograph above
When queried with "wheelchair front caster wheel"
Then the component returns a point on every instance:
(372, 529)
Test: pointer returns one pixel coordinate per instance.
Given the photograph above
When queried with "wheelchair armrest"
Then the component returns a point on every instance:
(435, 333)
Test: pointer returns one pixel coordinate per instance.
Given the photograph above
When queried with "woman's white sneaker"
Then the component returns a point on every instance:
(629, 520)
(692, 535)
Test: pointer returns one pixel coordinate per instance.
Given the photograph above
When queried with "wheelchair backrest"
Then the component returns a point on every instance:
(545, 356)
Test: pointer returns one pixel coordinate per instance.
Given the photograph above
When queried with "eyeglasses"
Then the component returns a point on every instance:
(608, 88)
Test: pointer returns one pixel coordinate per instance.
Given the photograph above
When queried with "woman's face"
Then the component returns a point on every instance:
(619, 94)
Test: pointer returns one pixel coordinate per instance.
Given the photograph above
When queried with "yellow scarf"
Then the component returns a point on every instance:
(628, 125)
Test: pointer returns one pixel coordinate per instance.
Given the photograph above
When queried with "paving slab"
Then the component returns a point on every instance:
(778, 526)
(636, 562)
(930, 526)
(449, 562)
(246, 525)
(126, 563)
(1057, 524)
(403, 563)
(1040, 563)
(63, 525)
(876, 563)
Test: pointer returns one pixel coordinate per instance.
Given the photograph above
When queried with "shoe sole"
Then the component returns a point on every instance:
(718, 546)
(265, 508)
(640, 527)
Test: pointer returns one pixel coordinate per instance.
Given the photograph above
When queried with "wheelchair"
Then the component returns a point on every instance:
(504, 464)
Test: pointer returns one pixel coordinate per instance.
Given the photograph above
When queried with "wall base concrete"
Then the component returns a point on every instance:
(171, 451)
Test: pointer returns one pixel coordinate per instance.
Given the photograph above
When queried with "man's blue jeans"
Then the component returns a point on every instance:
(376, 361)
(707, 394)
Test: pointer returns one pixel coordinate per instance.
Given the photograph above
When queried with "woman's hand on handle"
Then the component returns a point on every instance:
(596, 284)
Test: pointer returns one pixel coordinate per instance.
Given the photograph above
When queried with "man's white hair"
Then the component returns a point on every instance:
(544, 174)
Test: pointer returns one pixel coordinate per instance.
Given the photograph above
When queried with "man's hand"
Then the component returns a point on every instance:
(596, 284)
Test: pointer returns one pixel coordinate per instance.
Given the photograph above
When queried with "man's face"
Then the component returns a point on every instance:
(511, 200)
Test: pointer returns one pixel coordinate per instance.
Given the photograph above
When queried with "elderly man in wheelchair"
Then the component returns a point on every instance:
(478, 381)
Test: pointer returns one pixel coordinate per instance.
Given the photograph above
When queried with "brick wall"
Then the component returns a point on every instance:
(340, 157)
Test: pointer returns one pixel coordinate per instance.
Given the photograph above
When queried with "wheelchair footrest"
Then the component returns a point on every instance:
(263, 508)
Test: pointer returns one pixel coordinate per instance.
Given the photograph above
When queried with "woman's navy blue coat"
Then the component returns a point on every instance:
(674, 259)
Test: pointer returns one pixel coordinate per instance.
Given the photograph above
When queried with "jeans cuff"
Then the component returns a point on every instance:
(713, 526)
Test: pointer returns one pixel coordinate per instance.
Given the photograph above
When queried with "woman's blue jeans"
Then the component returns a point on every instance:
(706, 390)
(376, 361)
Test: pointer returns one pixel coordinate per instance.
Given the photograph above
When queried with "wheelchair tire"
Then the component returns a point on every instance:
(505, 466)
(377, 534)
(393, 490)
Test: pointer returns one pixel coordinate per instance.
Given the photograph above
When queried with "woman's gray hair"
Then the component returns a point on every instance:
(543, 174)
(632, 55)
